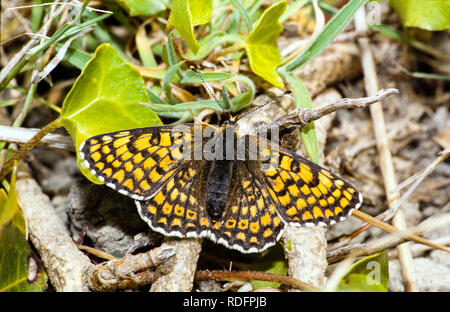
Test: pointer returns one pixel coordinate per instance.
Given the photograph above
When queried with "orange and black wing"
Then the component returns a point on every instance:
(178, 208)
(250, 222)
(137, 162)
(305, 193)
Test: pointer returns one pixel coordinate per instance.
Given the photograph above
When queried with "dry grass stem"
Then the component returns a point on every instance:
(390, 241)
(387, 167)
(23, 135)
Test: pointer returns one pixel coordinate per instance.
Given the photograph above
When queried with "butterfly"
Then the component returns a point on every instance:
(200, 180)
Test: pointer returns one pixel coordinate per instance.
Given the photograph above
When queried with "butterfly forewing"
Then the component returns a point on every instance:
(136, 162)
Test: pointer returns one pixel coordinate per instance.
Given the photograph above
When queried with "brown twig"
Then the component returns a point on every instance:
(147, 277)
(252, 275)
(301, 117)
(128, 271)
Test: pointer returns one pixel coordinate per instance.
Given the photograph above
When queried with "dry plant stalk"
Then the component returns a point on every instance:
(21, 135)
(387, 167)
(392, 240)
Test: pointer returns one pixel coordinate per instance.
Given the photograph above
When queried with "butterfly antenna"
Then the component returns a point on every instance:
(207, 87)
(267, 103)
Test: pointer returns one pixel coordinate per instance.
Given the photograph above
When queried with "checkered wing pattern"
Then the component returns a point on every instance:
(178, 208)
(305, 193)
(250, 222)
(136, 162)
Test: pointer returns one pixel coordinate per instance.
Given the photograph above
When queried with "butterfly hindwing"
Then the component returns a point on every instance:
(177, 209)
(250, 222)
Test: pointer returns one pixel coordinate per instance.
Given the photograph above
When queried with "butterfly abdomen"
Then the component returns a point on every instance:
(217, 187)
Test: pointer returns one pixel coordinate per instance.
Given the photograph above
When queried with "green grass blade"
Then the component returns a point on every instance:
(241, 9)
(168, 78)
(331, 30)
(302, 99)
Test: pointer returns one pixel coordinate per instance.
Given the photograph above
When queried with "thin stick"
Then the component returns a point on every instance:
(301, 117)
(391, 229)
(389, 241)
(416, 179)
(251, 275)
(76, 3)
(387, 167)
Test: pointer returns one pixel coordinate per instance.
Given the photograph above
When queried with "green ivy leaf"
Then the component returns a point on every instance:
(16, 255)
(105, 98)
(142, 7)
(370, 274)
(261, 45)
(425, 14)
(186, 14)
(201, 11)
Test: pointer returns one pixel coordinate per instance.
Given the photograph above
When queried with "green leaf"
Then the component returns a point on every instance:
(330, 31)
(211, 41)
(168, 78)
(302, 99)
(261, 45)
(425, 14)
(186, 14)
(142, 7)
(154, 98)
(201, 11)
(171, 54)
(244, 99)
(16, 256)
(105, 98)
(190, 77)
(76, 57)
(369, 274)
(184, 107)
